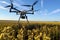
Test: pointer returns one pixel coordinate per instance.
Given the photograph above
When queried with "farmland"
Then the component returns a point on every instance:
(11, 30)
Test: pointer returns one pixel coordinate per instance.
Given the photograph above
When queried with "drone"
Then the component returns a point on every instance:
(24, 12)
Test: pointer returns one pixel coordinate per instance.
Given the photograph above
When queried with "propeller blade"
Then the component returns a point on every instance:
(31, 9)
(35, 2)
(11, 4)
(8, 6)
(27, 5)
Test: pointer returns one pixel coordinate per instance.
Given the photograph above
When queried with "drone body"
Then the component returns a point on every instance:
(23, 14)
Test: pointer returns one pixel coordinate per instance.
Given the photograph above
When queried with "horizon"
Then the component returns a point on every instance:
(30, 20)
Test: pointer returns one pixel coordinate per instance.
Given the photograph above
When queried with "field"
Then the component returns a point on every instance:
(11, 30)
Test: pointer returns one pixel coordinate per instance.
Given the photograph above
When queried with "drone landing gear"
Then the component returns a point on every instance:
(27, 19)
(19, 20)
(23, 17)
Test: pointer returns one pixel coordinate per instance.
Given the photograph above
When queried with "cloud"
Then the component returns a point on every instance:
(46, 12)
(16, 4)
(43, 12)
(54, 11)
(4, 2)
(1, 7)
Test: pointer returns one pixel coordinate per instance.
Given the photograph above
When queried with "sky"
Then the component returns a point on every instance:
(49, 10)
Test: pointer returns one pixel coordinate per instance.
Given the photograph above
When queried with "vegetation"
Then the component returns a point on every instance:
(11, 30)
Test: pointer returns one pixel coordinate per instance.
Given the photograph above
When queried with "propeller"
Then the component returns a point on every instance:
(32, 6)
(35, 3)
(10, 5)
(26, 5)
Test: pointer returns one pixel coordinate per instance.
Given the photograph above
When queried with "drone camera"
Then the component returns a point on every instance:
(23, 17)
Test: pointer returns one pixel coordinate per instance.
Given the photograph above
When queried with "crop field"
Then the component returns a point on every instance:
(11, 30)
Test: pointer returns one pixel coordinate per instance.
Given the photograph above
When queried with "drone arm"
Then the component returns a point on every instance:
(29, 13)
(16, 9)
(11, 10)
(32, 11)
(35, 3)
